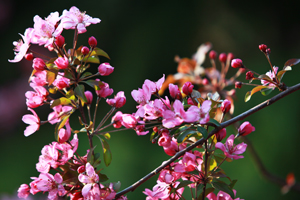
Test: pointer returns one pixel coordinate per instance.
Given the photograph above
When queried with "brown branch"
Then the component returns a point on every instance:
(201, 141)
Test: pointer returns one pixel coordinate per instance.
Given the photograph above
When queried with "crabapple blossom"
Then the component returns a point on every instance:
(221, 134)
(90, 179)
(62, 62)
(204, 111)
(61, 82)
(221, 196)
(89, 97)
(104, 91)
(245, 129)
(75, 19)
(117, 119)
(175, 92)
(225, 106)
(272, 75)
(187, 164)
(38, 64)
(118, 101)
(23, 191)
(39, 78)
(249, 75)
(129, 121)
(105, 69)
(58, 112)
(64, 134)
(230, 150)
(33, 121)
(187, 88)
(21, 47)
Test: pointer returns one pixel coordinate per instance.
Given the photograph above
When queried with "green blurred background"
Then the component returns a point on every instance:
(142, 38)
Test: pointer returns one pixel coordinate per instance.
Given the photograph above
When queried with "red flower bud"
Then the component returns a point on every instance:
(29, 56)
(223, 57)
(263, 48)
(212, 55)
(225, 106)
(92, 41)
(238, 84)
(85, 50)
(245, 129)
(205, 81)
(221, 134)
(62, 62)
(60, 41)
(237, 63)
(249, 75)
(187, 88)
(38, 64)
(89, 97)
(105, 69)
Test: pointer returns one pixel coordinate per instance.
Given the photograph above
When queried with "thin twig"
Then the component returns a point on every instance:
(201, 141)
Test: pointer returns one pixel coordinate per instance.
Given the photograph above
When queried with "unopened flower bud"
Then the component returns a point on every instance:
(105, 69)
(89, 97)
(205, 81)
(174, 91)
(268, 51)
(263, 48)
(237, 63)
(238, 84)
(221, 134)
(92, 41)
(85, 50)
(245, 129)
(81, 169)
(60, 41)
(223, 57)
(225, 106)
(249, 75)
(212, 54)
(29, 56)
(187, 88)
(230, 56)
(38, 64)
(62, 62)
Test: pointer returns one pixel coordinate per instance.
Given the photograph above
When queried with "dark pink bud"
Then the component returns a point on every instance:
(118, 101)
(62, 62)
(60, 41)
(92, 41)
(238, 84)
(225, 106)
(212, 55)
(263, 48)
(104, 91)
(89, 97)
(174, 91)
(205, 81)
(268, 51)
(81, 169)
(237, 63)
(38, 64)
(221, 134)
(29, 56)
(249, 75)
(117, 119)
(191, 102)
(105, 69)
(85, 50)
(187, 88)
(245, 129)
(223, 57)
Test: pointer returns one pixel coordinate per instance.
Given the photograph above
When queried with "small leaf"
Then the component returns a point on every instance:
(50, 77)
(90, 157)
(107, 155)
(86, 74)
(92, 59)
(107, 136)
(265, 77)
(207, 191)
(102, 177)
(70, 95)
(68, 74)
(60, 125)
(213, 122)
(61, 101)
(247, 96)
(212, 164)
(220, 185)
(183, 184)
(233, 182)
(79, 92)
(94, 84)
(203, 131)
(266, 91)
(291, 62)
(184, 135)
(100, 52)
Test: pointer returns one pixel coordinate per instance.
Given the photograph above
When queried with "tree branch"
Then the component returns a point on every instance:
(201, 141)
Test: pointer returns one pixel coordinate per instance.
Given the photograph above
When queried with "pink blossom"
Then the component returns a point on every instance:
(140, 130)
(89, 97)
(62, 62)
(105, 69)
(245, 129)
(150, 87)
(44, 30)
(61, 82)
(129, 121)
(160, 191)
(272, 77)
(175, 92)
(33, 121)
(187, 164)
(221, 196)
(187, 88)
(230, 150)
(64, 134)
(153, 109)
(104, 91)
(117, 119)
(90, 179)
(140, 96)
(36, 99)
(118, 101)
(172, 149)
(165, 138)
(204, 112)
(23, 191)
(22, 46)
(59, 110)
(168, 176)
(75, 19)
(39, 78)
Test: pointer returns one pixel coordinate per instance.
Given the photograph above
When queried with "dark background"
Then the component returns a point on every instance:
(142, 38)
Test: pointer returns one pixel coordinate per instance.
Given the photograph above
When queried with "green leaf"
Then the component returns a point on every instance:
(61, 101)
(152, 136)
(203, 131)
(214, 123)
(90, 157)
(68, 74)
(92, 59)
(107, 155)
(86, 74)
(212, 164)
(247, 96)
(233, 182)
(100, 52)
(181, 129)
(183, 184)
(184, 135)
(220, 185)
(102, 177)
(253, 91)
(70, 95)
(266, 91)
(94, 84)
(79, 92)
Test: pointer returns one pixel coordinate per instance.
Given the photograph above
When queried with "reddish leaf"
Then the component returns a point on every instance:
(291, 62)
